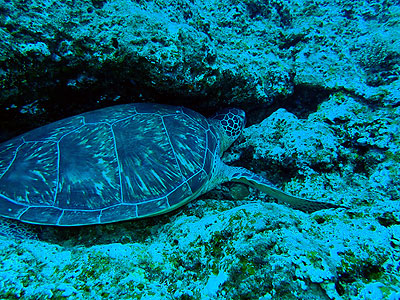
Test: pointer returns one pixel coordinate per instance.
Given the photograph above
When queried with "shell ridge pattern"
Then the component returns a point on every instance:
(117, 156)
(51, 141)
(215, 157)
(146, 201)
(118, 163)
(143, 184)
(205, 156)
(218, 141)
(190, 117)
(205, 149)
(58, 159)
(10, 199)
(173, 151)
(213, 154)
(15, 155)
(207, 142)
(59, 218)
(186, 181)
(123, 119)
(181, 111)
(22, 213)
(68, 209)
(204, 159)
(101, 210)
(99, 216)
(58, 172)
(214, 168)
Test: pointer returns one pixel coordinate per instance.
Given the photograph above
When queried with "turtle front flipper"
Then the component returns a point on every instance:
(243, 175)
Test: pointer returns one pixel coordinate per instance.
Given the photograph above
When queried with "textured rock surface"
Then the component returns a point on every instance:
(332, 68)
(250, 251)
(345, 150)
(59, 58)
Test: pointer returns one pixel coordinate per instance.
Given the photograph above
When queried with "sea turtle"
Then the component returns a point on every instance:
(122, 162)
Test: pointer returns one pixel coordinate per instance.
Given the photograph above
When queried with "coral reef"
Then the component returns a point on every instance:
(59, 58)
(330, 70)
(251, 251)
(346, 148)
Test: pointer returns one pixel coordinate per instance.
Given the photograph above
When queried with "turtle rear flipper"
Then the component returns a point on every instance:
(243, 175)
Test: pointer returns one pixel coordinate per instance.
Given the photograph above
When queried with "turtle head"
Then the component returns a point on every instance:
(230, 123)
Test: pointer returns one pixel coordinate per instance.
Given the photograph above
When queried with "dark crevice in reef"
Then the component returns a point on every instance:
(79, 89)
(76, 91)
(301, 103)
(304, 100)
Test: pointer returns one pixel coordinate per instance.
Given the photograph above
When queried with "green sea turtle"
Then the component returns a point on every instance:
(122, 162)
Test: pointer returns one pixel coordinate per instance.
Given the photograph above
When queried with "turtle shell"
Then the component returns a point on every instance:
(112, 164)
